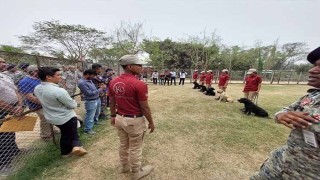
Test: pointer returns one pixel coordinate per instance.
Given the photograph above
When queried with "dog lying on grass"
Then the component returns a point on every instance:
(223, 96)
(250, 107)
(196, 85)
(210, 92)
(203, 88)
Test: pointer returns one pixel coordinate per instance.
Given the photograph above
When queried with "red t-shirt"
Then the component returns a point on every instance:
(223, 79)
(209, 78)
(252, 83)
(202, 77)
(127, 92)
(195, 75)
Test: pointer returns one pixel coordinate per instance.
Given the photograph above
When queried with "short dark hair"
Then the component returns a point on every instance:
(89, 72)
(43, 72)
(96, 66)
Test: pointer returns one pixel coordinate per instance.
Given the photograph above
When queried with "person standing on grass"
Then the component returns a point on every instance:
(209, 78)
(300, 157)
(10, 103)
(202, 78)
(252, 84)
(58, 110)
(182, 76)
(173, 77)
(92, 101)
(195, 76)
(26, 87)
(224, 80)
(129, 109)
(155, 76)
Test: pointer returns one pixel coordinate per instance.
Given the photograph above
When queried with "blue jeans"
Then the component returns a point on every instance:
(92, 113)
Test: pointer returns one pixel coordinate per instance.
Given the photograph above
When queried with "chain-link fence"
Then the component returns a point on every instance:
(24, 131)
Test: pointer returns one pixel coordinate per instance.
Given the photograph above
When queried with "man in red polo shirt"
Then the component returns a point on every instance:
(202, 78)
(195, 76)
(209, 78)
(252, 84)
(129, 109)
(224, 80)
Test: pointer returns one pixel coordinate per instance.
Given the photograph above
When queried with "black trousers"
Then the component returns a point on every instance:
(8, 146)
(69, 136)
(166, 80)
(174, 80)
(181, 80)
(155, 80)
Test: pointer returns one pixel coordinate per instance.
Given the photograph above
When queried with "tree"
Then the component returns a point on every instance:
(8, 48)
(71, 41)
(129, 36)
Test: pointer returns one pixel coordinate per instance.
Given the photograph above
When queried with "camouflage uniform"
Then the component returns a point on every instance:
(71, 81)
(297, 159)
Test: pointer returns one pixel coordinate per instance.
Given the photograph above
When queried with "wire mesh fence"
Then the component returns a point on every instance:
(24, 131)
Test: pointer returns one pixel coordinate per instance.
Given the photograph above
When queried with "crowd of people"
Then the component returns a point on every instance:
(50, 92)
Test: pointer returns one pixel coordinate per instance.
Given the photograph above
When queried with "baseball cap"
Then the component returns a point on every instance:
(250, 71)
(130, 59)
(209, 71)
(196, 70)
(314, 55)
(202, 71)
(225, 70)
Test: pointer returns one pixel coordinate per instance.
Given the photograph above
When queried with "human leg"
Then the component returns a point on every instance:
(251, 95)
(91, 107)
(45, 128)
(98, 110)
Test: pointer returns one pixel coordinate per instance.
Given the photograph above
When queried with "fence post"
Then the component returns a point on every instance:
(299, 78)
(279, 77)
(289, 78)
(38, 62)
(272, 77)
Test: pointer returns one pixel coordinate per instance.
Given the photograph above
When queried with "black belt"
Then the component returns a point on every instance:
(130, 116)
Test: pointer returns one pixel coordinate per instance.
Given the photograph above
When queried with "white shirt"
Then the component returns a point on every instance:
(155, 75)
(7, 89)
(183, 74)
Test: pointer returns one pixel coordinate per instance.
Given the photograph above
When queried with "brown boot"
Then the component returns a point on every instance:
(142, 173)
(125, 168)
(78, 151)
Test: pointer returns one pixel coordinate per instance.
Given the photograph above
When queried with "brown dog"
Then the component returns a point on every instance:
(223, 96)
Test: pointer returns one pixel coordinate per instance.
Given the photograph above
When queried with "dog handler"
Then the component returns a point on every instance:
(300, 157)
(224, 80)
(252, 84)
(129, 109)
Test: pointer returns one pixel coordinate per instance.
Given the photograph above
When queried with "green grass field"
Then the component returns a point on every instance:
(196, 137)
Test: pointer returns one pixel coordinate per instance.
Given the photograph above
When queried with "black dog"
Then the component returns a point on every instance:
(203, 88)
(196, 85)
(250, 107)
(210, 92)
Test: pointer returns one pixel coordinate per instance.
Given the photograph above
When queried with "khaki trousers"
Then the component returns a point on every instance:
(45, 128)
(250, 95)
(131, 133)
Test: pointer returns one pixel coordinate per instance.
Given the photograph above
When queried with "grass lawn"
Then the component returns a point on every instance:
(196, 137)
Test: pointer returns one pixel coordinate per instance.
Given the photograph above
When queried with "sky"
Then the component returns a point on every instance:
(236, 22)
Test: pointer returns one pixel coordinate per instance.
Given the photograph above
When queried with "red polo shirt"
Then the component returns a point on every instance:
(127, 92)
(195, 75)
(252, 83)
(209, 78)
(202, 77)
(223, 79)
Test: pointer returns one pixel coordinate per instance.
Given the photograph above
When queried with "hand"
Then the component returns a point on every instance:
(17, 110)
(151, 127)
(103, 86)
(113, 121)
(296, 119)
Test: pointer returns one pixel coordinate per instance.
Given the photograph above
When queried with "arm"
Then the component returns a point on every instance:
(147, 113)
(64, 98)
(10, 108)
(112, 105)
(291, 118)
(32, 98)
(87, 91)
